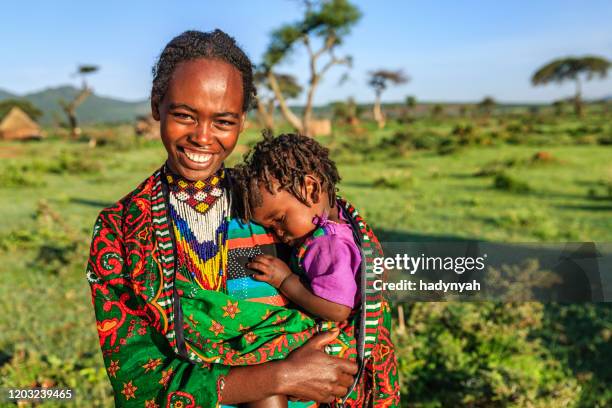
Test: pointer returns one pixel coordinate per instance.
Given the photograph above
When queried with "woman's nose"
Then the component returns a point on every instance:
(202, 134)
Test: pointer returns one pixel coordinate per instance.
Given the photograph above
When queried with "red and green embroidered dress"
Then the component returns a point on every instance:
(167, 340)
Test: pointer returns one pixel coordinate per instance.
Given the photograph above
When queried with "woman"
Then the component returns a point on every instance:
(164, 258)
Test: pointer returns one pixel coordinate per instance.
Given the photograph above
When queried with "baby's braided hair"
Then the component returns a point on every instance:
(284, 160)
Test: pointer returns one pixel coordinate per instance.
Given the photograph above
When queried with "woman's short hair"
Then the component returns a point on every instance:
(192, 45)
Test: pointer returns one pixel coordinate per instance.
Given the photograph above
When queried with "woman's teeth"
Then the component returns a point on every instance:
(198, 158)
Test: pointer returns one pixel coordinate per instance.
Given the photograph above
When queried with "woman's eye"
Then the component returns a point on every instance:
(182, 116)
(225, 122)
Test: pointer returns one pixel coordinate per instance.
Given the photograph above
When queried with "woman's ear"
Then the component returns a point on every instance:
(242, 121)
(155, 109)
(313, 189)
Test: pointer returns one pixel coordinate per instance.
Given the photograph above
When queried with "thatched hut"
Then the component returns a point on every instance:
(16, 125)
(320, 127)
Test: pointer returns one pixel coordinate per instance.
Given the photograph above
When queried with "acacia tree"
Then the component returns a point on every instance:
(345, 111)
(379, 81)
(572, 68)
(326, 22)
(437, 111)
(411, 102)
(266, 101)
(487, 105)
(70, 107)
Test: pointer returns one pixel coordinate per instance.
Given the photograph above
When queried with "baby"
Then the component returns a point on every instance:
(288, 185)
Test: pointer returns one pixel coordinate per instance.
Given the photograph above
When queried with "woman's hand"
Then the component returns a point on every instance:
(307, 374)
(310, 374)
(271, 270)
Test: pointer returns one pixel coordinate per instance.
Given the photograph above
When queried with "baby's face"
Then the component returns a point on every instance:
(286, 216)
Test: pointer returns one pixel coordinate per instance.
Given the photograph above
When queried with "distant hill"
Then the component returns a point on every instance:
(96, 109)
(6, 95)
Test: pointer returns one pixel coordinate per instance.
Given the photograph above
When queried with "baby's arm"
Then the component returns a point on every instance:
(294, 289)
(275, 272)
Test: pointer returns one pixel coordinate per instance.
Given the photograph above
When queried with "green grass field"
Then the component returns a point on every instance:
(51, 192)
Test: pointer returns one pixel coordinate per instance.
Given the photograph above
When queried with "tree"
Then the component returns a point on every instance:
(437, 110)
(71, 106)
(25, 105)
(345, 111)
(487, 105)
(559, 106)
(572, 68)
(328, 21)
(411, 102)
(379, 81)
(266, 101)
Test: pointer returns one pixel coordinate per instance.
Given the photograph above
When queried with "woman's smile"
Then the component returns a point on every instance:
(197, 157)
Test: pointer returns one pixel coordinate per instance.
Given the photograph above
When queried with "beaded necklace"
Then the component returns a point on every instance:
(199, 211)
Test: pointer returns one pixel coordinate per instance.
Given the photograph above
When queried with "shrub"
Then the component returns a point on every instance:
(71, 162)
(19, 176)
(449, 148)
(495, 167)
(398, 144)
(479, 355)
(601, 191)
(503, 181)
(587, 140)
(384, 182)
(57, 245)
(426, 141)
(605, 140)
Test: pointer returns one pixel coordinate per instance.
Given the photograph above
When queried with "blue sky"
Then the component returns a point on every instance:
(452, 50)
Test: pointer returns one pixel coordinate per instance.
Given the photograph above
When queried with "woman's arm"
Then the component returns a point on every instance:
(307, 374)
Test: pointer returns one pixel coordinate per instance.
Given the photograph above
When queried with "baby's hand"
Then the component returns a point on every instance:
(271, 270)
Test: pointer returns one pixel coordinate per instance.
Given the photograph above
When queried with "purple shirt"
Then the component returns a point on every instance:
(332, 264)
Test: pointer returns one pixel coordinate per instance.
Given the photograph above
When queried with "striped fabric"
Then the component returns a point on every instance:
(373, 298)
(246, 241)
(161, 226)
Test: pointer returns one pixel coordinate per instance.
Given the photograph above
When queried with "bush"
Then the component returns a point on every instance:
(585, 130)
(384, 182)
(495, 167)
(447, 148)
(601, 191)
(503, 181)
(605, 140)
(426, 141)
(479, 355)
(467, 135)
(19, 176)
(57, 245)
(397, 145)
(70, 162)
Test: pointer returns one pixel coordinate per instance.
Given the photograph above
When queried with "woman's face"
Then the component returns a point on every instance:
(200, 116)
